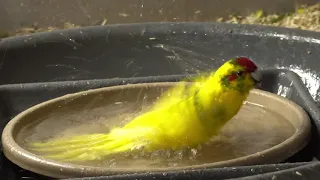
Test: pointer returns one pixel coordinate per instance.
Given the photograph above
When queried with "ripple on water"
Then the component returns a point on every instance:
(254, 129)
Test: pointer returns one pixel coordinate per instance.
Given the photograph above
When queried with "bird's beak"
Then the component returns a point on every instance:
(256, 76)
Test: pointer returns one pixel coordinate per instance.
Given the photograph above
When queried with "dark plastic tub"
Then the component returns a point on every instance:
(42, 66)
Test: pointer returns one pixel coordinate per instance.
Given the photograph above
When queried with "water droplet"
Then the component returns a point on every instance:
(143, 30)
(298, 173)
(310, 79)
(194, 152)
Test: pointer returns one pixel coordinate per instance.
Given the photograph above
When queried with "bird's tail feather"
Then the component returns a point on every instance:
(83, 147)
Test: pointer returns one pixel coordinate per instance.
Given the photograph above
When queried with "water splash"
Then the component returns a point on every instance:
(310, 78)
(284, 91)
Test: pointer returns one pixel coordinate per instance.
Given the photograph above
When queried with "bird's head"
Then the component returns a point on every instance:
(240, 74)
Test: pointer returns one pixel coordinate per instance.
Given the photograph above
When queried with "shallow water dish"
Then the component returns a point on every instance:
(275, 129)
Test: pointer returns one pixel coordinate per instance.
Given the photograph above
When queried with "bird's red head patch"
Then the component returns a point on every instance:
(247, 64)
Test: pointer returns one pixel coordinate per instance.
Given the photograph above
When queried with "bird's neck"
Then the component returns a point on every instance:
(222, 103)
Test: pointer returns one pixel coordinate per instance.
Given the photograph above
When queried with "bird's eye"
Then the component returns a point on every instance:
(239, 73)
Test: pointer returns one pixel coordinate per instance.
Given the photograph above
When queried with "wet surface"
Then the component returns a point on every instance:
(163, 49)
(310, 78)
(146, 50)
(255, 126)
(20, 97)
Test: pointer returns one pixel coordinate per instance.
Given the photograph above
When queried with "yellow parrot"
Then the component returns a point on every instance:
(186, 116)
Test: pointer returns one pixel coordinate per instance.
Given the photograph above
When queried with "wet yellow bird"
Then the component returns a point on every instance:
(187, 115)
